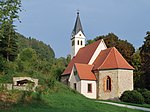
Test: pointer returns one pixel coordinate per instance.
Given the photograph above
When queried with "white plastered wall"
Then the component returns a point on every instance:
(84, 89)
(100, 47)
(75, 79)
(74, 49)
(82, 85)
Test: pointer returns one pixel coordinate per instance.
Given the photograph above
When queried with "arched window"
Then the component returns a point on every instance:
(81, 42)
(78, 42)
(73, 43)
(108, 84)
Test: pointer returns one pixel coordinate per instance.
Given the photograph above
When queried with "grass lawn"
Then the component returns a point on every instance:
(66, 100)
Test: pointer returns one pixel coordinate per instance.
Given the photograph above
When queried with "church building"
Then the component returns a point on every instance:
(96, 71)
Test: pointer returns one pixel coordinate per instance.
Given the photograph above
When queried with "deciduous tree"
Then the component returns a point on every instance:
(123, 46)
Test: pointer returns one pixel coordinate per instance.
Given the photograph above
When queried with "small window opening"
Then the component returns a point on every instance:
(81, 42)
(89, 88)
(75, 86)
(78, 42)
(108, 84)
(73, 43)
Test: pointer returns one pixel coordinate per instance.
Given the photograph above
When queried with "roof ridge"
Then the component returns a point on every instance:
(106, 57)
(115, 55)
(117, 52)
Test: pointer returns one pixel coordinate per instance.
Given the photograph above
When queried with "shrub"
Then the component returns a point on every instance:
(8, 98)
(146, 95)
(132, 97)
(141, 90)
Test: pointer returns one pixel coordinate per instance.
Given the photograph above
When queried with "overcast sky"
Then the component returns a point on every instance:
(52, 21)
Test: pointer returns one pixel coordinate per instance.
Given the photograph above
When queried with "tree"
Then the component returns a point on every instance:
(123, 46)
(138, 74)
(9, 10)
(145, 57)
(28, 54)
(44, 51)
(58, 67)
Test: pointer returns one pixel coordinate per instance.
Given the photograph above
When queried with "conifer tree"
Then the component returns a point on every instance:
(9, 10)
(145, 59)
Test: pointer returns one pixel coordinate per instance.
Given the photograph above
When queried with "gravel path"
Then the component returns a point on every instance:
(127, 106)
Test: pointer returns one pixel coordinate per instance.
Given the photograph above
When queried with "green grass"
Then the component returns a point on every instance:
(66, 100)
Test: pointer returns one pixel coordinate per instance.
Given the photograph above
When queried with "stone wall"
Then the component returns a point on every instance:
(121, 80)
(6, 86)
(102, 93)
(125, 81)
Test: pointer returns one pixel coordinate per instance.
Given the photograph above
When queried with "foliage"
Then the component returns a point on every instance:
(58, 67)
(2, 64)
(138, 74)
(8, 98)
(146, 96)
(45, 52)
(28, 54)
(145, 56)
(123, 46)
(132, 97)
(9, 10)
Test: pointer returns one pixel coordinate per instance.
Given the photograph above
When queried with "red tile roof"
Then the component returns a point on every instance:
(85, 71)
(111, 59)
(83, 56)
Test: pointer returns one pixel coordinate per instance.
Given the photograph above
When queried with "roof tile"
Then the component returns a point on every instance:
(85, 71)
(83, 56)
(111, 59)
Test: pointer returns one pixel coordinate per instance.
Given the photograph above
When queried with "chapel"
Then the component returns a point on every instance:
(96, 71)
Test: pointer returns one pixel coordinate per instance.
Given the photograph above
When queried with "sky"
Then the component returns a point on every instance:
(52, 21)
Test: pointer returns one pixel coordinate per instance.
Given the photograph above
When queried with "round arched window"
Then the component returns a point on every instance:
(78, 42)
(81, 42)
(73, 43)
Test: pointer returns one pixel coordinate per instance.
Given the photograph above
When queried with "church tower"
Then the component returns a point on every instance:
(77, 37)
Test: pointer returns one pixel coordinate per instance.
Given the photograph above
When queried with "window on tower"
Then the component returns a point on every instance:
(73, 43)
(81, 42)
(78, 42)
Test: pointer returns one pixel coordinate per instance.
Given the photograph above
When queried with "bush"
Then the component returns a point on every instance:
(132, 97)
(146, 95)
(8, 98)
(141, 90)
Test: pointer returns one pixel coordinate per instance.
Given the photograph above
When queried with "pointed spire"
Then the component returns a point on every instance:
(78, 26)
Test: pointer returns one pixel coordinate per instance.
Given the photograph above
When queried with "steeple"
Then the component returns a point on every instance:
(78, 26)
(77, 37)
